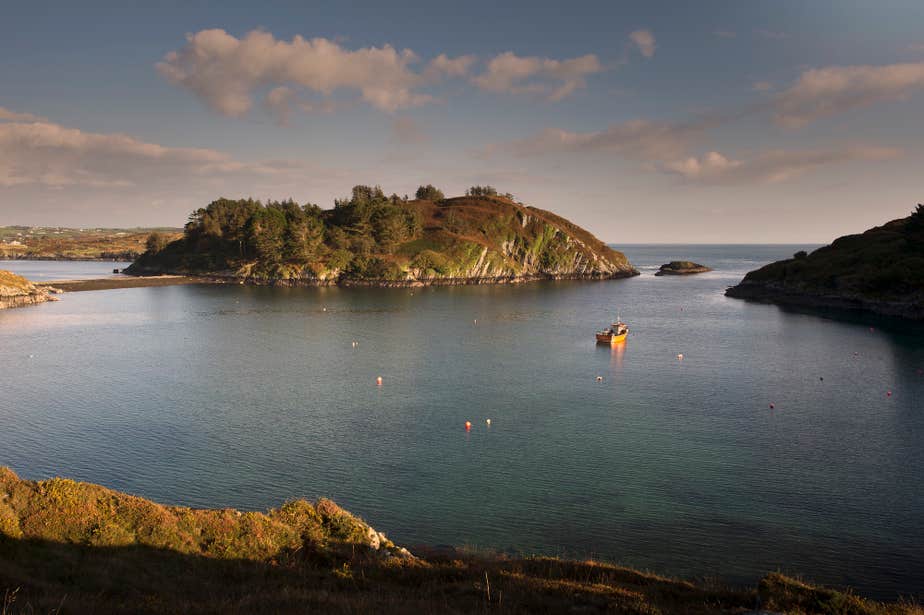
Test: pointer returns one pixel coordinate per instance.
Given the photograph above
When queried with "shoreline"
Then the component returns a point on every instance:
(762, 293)
(212, 278)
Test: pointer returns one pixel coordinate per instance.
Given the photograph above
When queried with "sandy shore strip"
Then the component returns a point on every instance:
(121, 281)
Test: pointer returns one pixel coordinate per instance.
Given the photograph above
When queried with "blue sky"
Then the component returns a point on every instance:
(737, 121)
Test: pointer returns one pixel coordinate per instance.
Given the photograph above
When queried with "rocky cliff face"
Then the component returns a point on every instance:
(17, 291)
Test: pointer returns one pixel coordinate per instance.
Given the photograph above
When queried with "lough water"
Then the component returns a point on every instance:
(245, 397)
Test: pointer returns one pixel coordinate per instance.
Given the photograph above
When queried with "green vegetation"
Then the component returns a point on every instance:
(74, 547)
(880, 270)
(383, 239)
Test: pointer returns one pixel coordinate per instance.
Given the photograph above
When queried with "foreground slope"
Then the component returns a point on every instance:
(880, 271)
(73, 547)
(376, 240)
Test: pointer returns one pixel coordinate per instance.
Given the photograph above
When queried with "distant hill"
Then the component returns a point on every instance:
(880, 271)
(58, 243)
(373, 239)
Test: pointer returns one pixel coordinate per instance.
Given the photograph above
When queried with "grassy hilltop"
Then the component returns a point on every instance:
(374, 238)
(880, 270)
(70, 547)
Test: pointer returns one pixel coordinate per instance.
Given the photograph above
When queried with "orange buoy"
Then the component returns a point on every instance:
(378, 381)
(468, 425)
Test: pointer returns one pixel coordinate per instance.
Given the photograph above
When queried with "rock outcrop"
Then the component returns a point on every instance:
(682, 268)
(17, 291)
(879, 271)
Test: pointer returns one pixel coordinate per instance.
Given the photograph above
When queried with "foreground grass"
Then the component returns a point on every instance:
(75, 547)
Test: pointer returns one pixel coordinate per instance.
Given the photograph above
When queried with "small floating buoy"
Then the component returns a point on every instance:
(680, 357)
(323, 309)
(772, 406)
(821, 378)
(888, 393)
(31, 356)
(354, 343)
(599, 378)
(476, 321)
(468, 425)
(378, 381)
(488, 422)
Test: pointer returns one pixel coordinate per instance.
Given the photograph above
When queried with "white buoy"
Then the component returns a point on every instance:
(354, 343)
(488, 421)
(599, 378)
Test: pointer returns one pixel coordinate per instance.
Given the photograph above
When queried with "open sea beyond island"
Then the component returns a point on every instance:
(240, 396)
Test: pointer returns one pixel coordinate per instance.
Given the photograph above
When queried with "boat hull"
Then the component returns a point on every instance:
(609, 338)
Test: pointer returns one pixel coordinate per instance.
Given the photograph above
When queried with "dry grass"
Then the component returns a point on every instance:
(73, 547)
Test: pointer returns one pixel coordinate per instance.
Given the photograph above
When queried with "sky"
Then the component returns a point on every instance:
(736, 121)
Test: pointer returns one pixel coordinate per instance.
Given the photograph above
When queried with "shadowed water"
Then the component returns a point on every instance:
(246, 397)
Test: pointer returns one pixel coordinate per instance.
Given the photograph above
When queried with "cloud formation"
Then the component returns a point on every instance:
(636, 139)
(225, 72)
(665, 147)
(11, 116)
(644, 40)
(555, 79)
(774, 166)
(823, 92)
(54, 156)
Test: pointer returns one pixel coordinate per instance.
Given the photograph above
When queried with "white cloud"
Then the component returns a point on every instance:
(225, 71)
(442, 65)
(774, 166)
(11, 116)
(645, 41)
(823, 92)
(555, 79)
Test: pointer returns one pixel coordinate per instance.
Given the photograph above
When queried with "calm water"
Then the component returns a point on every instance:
(245, 397)
(38, 271)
